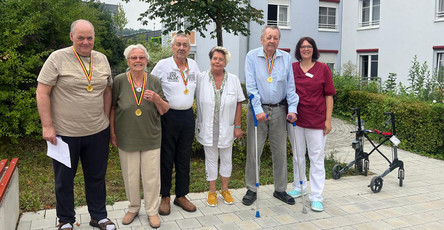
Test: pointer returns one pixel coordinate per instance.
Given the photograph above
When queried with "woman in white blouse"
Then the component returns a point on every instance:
(219, 99)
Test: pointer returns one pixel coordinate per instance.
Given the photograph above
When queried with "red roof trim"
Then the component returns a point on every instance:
(328, 51)
(285, 49)
(366, 50)
(330, 1)
(438, 47)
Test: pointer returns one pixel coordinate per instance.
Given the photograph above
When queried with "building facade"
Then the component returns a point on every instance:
(376, 37)
(382, 36)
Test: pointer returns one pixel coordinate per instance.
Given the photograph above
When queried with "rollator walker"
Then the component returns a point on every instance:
(361, 161)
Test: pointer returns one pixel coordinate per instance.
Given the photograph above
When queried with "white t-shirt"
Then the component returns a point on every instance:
(173, 85)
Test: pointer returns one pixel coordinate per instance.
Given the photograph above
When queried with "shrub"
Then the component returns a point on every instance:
(419, 125)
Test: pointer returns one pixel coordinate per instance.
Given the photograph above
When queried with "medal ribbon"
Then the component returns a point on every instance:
(88, 74)
(270, 68)
(185, 81)
(138, 101)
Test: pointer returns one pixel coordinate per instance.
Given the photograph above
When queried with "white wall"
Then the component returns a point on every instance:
(407, 28)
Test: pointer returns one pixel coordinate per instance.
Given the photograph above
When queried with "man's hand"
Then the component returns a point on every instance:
(261, 117)
(49, 134)
(291, 117)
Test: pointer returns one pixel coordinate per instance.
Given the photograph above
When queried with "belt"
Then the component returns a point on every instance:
(283, 102)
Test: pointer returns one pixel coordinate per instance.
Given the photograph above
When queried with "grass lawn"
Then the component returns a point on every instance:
(37, 178)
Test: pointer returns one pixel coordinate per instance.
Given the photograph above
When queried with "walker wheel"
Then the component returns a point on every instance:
(400, 176)
(376, 184)
(336, 172)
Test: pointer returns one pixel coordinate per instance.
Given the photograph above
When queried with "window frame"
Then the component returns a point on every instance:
(279, 4)
(371, 23)
(439, 14)
(369, 55)
(328, 5)
(439, 65)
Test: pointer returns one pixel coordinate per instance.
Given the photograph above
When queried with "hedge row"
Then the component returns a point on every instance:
(419, 125)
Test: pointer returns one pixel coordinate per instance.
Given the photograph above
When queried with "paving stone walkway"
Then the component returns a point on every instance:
(348, 202)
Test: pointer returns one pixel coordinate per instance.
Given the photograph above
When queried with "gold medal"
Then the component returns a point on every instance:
(89, 88)
(186, 91)
(138, 112)
(270, 79)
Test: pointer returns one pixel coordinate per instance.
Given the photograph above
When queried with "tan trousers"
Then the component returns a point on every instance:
(147, 164)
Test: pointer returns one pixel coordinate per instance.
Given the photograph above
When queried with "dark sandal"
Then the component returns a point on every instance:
(61, 224)
(102, 226)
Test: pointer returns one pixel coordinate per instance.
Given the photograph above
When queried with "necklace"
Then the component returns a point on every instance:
(137, 86)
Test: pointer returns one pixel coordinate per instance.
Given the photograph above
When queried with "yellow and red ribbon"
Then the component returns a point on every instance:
(88, 74)
(138, 101)
(270, 68)
(185, 81)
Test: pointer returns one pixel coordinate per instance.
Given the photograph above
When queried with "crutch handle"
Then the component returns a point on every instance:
(252, 109)
(290, 117)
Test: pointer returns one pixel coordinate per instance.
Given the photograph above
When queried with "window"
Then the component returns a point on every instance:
(329, 58)
(439, 9)
(279, 13)
(369, 13)
(327, 16)
(368, 67)
(440, 66)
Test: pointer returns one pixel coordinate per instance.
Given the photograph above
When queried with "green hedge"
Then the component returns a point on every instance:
(419, 125)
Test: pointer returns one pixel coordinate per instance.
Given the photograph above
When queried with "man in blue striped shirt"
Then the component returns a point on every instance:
(269, 77)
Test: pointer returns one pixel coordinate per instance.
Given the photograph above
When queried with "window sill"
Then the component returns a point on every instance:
(368, 28)
(440, 19)
(328, 30)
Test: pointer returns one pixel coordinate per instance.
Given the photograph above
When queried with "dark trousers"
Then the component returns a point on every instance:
(177, 140)
(93, 152)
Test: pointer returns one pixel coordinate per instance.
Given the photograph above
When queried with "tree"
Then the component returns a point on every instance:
(229, 15)
(31, 30)
(120, 18)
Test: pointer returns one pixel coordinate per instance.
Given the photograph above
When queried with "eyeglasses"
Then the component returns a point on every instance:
(306, 47)
(134, 58)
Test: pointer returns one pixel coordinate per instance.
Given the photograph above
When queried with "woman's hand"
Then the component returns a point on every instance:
(327, 128)
(238, 133)
(150, 96)
(113, 139)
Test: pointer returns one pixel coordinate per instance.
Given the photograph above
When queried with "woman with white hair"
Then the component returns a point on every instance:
(136, 132)
(219, 99)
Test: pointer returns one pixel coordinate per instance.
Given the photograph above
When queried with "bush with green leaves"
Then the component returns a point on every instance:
(31, 30)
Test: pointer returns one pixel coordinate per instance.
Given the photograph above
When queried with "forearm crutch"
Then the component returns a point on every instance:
(256, 158)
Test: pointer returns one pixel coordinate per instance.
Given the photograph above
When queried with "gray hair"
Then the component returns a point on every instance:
(273, 27)
(223, 50)
(173, 40)
(132, 47)
(73, 24)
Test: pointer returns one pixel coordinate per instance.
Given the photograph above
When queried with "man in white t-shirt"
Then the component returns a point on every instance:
(74, 101)
(178, 76)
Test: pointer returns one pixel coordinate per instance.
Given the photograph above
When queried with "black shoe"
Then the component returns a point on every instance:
(283, 196)
(249, 198)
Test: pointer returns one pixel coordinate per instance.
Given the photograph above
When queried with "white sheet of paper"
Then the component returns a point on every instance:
(59, 152)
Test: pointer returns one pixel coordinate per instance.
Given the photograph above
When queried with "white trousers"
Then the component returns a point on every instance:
(314, 141)
(212, 154)
(145, 164)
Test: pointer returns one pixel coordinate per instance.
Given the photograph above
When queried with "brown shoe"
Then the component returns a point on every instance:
(129, 217)
(185, 204)
(154, 221)
(164, 208)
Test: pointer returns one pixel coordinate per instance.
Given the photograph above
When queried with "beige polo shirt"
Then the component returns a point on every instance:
(75, 111)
